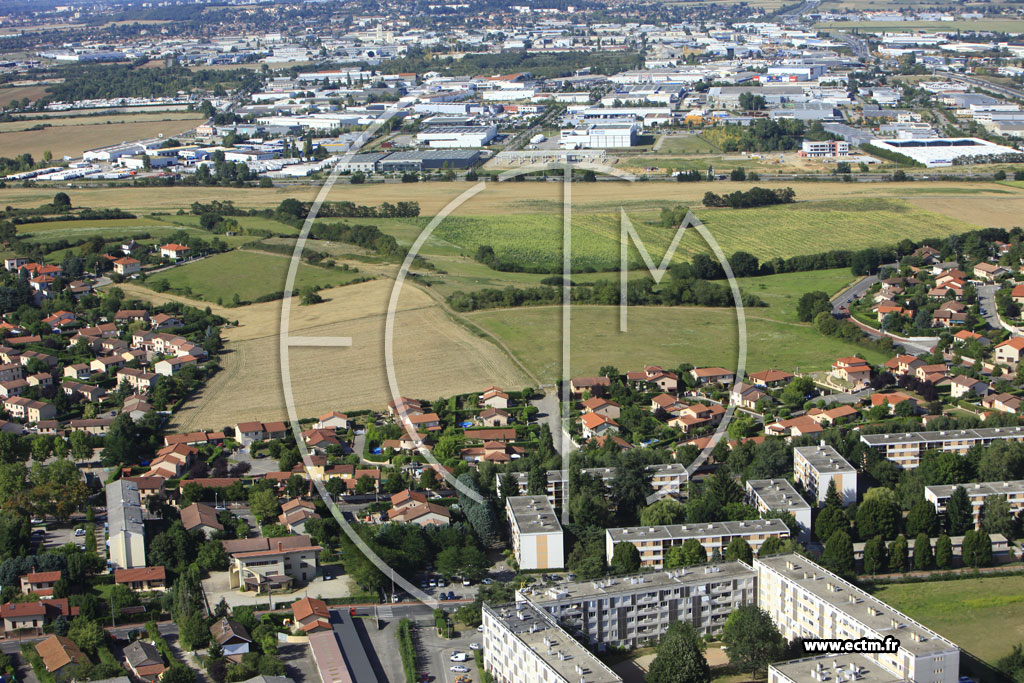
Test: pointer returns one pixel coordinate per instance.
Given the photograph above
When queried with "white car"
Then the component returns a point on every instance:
(480, 628)
(459, 669)
(486, 582)
(79, 532)
(458, 657)
(467, 582)
(474, 646)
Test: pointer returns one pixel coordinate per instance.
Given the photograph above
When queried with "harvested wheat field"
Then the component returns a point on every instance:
(434, 356)
(64, 140)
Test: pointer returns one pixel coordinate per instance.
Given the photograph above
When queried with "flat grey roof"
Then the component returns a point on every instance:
(606, 473)
(777, 494)
(978, 434)
(824, 669)
(684, 531)
(856, 604)
(824, 459)
(539, 632)
(432, 154)
(985, 488)
(533, 514)
(124, 508)
(624, 585)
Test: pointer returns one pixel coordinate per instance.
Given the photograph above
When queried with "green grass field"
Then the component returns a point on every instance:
(982, 615)
(248, 274)
(246, 222)
(71, 227)
(669, 336)
(768, 232)
(686, 144)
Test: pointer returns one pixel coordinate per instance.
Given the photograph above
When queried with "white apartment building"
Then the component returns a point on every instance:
(905, 448)
(807, 601)
(666, 479)
(770, 495)
(523, 644)
(537, 538)
(633, 610)
(126, 532)
(977, 493)
(654, 541)
(814, 467)
(833, 668)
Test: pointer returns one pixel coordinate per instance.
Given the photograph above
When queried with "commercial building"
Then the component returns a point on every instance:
(606, 135)
(633, 610)
(654, 541)
(814, 467)
(537, 539)
(126, 533)
(905, 448)
(977, 493)
(933, 152)
(806, 601)
(772, 495)
(824, 148)
(455, 137)
(524, 644)
(428, 160)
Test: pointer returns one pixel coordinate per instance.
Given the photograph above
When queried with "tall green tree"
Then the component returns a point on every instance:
(877, 517)
(739, 549)
(922, 518)
(625, 559)
(959, 512)
(630, 488)
(944, 552)
(830, 520)
(693, 552)
(997, 517)
(923, 558)
(876, 559)
(898, 554)
(838, 555)
(753, 639)
(665, 511)
(680, 657)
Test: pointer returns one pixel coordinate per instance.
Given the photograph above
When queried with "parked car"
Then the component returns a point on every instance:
(458, 668)
(474, 646)
(458, 656)
(451, 595)
(486, 582)
(467, 582)
(433, 583)
(79, 532)
(480, 628)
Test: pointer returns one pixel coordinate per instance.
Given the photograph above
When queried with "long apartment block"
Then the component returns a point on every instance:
(524, 644)
(537, 538)
(977, 493)
(668, 479)
(814, 467)
(905, 448)
(654, 541)
(807, 601)
(635, 610)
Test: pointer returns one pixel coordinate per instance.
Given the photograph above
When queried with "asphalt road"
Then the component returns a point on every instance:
(987, 303)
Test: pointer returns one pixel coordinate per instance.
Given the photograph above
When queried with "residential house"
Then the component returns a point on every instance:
(837, 415)
(989, 271)
(713, 375)
(1009, 351)
(592, 385)
(28, 618)
(258, 563)
(232, 637)
(851, 369)
(770, 378)
(60, 656)
(295, 514)
(164, 321)
(609, 409)
(127, 266)
(1004, 403)
(144, 661)
(311, 615)
(29, 410)
(172, 366)
(422, 514)
(494, 417)
(333, 420)
(143, 579)
(174, 252)
(404, 406)
(652, 374)
(494, 398)
(595, 424)
(201, 516)
(746, 395)
(892, 400)
(39, 583)
(962, 385)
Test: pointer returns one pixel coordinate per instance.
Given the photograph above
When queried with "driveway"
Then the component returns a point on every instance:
(549, 413)
(987, 304)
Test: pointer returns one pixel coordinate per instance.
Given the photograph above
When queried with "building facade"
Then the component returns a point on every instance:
(814, 467)
(537, 538)
(653, 542)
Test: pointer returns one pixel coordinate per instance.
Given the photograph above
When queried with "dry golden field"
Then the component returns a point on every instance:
(111, 119)
(435, 356)
(61, 141)
(32, 92)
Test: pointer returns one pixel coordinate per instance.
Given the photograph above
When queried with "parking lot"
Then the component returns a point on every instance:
(436, 652)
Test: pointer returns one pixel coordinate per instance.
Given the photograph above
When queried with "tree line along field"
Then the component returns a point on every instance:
(982, 615)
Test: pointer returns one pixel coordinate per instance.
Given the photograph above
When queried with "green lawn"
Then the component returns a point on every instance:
(85, 225)
(687, 144)
(981, 615)
(248, 274)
